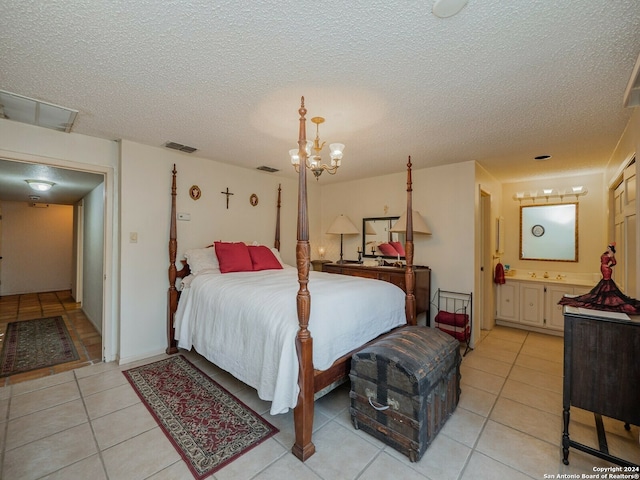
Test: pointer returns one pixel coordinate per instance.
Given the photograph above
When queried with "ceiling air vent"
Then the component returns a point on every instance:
(179, 146)
(264, 168)
(36, 112)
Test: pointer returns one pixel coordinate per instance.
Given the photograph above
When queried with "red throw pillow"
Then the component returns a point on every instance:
(399, 247)
(263, 258)
(233, 257)
(388, 250)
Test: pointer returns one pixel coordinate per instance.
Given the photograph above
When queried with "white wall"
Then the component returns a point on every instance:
(443, 195)
(29, 143)
(93, 256)
(145, 207)
(37, 248)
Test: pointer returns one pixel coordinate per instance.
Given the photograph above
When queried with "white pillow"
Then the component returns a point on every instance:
(276, 253)
(202, 259)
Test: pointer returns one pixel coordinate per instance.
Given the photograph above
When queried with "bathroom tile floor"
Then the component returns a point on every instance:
(89, 423)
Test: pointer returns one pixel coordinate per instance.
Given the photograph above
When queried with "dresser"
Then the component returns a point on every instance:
(395, 275)
(601, 373)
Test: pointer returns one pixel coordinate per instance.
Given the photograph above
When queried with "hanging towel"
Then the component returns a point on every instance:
(499, 276)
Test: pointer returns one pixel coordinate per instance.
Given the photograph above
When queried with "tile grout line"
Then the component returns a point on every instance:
(6, 433)
(486, 420)
(93, 432)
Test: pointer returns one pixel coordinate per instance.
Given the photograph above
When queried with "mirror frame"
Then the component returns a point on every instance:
(544, 237)
(398, 236)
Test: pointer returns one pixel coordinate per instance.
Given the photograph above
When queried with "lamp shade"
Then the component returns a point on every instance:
(419, 225)
(368, 229)
(342, 225)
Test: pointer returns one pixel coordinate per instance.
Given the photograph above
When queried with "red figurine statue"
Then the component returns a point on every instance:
(605, 295)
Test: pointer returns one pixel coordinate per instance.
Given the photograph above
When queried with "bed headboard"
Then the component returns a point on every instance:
(173, 295)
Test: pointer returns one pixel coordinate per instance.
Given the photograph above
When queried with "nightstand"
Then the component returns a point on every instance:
(317, 264)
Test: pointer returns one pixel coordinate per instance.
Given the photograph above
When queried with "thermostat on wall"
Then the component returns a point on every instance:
(184, 216)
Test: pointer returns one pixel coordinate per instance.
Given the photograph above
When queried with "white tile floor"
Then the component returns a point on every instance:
(89, 423)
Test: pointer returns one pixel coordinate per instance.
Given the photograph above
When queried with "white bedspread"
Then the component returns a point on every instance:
(246, 323)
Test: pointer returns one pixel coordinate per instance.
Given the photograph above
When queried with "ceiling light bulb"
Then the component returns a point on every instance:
(40, 185)
(295, 158)
(448, 8)
(336, 150)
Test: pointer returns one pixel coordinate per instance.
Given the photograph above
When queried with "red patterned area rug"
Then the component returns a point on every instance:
(207, 425)
(33, 344)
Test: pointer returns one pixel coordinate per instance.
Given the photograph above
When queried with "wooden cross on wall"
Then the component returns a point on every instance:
(227, 193)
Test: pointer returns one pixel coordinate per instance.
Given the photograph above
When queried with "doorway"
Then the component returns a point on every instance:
(486, 308)
(624, 220)
(95, 280)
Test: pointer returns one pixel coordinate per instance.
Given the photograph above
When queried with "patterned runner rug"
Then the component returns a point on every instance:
(207, 425)
(32, 344)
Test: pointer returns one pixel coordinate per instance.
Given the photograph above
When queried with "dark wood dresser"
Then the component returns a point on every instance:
(393, 275)
(601, 374)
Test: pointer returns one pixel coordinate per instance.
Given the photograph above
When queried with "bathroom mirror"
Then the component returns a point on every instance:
(377, 231)
(549, 232)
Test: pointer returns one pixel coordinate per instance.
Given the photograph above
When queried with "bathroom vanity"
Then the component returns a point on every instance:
(531, 302)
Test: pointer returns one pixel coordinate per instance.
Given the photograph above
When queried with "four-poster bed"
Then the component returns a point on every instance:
(310, 379)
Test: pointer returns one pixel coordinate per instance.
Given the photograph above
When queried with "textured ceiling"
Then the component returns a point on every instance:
(499, 83)
(69, 185)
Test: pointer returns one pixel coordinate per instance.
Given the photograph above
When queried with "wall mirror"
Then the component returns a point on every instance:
(549, 232)
(377, 231)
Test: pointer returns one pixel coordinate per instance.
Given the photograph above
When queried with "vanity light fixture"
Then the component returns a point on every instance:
(40, 185)
(551, 194)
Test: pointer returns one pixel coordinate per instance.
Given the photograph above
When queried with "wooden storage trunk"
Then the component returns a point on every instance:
(405, 386)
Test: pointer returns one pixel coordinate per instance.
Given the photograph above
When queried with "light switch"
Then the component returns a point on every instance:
(133, 237)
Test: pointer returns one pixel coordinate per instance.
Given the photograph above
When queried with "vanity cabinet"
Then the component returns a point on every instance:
(555, 317)
(533, 305)
(508, 304)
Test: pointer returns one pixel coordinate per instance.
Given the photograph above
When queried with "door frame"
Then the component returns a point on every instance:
(108, 255)
(486, 305)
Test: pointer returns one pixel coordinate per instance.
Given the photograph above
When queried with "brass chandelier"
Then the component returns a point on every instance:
(314, 162)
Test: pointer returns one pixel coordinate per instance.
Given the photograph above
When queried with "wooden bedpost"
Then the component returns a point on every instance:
(410, 281)
(277, 241)
(303, 448)
(172, 303)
